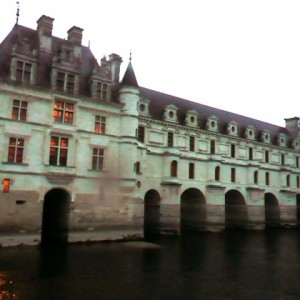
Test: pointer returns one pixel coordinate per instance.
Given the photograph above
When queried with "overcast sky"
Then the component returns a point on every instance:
(240, 56)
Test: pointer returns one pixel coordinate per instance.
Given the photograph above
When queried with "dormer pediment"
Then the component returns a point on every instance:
(170, 113)
(232, 128)
(281, 140)
(266, 137)
(191, 118)
(296, 143)
(212, 123)
(250, 132)
(144, 107)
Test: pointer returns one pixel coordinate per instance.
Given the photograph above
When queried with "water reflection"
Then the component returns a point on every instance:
(234, 264)
(7, 288)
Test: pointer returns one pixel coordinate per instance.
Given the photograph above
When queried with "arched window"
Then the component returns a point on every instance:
(256, 177)
(217, 173)
(174, 168)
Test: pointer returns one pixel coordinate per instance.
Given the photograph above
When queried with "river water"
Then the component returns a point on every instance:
(227, 265)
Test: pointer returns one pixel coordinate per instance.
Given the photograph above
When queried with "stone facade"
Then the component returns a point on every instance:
(121, 156)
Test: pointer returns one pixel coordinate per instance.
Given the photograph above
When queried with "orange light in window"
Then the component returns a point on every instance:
(6, 185)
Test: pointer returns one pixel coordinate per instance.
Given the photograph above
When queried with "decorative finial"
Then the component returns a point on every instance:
(18, 12)
(130, 56)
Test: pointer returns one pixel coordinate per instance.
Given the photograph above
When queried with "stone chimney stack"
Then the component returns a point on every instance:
(44, 29)
(75, 35)
(115, 62)
(45, 25)
(292, 125)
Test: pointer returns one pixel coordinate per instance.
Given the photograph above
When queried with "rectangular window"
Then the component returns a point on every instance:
(23, 71)
(267, 156)
(282, 159)
(15, 150)
(192, 143)
(100, 123)
(70, 83)
(141, 134)
(267, 178)
(101, 91)
(297, 162)
(212, 147)
(298, 181)
(6, 185)
(250, 153)
(288, 180)
(65, 82)
(19, 110)
(98, 159)
(232, 174)
(191, 170)
(63, 112)
(232, 150)
(138, 167)
(170, 139)
(58, 151)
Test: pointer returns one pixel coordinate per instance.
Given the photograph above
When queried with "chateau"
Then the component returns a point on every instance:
(82, 149)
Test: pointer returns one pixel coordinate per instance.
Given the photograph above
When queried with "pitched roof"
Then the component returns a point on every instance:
(158, 102)
(44, 60)
(129, 77)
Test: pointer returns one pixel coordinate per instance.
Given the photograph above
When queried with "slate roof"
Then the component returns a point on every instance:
(17, 35)
(129, 77)
(158, 102)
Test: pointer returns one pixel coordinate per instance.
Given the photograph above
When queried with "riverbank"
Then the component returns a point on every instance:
(31, 239)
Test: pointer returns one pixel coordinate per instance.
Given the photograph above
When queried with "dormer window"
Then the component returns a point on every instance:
(296, 144)
(282, 140)
(23, 71)
(65, 82)
(232, 128)
(250, 132)
(265, 136)
(212, 123)
(191, 118)
(171, 113)
(101, 90)
(143, 107)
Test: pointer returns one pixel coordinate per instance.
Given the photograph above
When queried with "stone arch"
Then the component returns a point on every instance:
(192, 210)
(272, 211)
(152, 211)
(55, 222)
(235, 210)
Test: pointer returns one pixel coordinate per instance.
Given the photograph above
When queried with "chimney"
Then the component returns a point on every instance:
(115, 62)
(45, 25)
(292, 125)
(44, 29)
(75, 35)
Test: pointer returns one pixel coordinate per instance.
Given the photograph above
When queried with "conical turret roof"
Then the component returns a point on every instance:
(129, 77)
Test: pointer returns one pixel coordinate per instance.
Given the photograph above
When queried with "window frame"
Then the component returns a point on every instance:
(19, 110)
(170, 139)
(100, 124)
(64, 111)
(141, 134)
(25, 75)
(98, 158)
(15, 153)
(101, 90)
(61, 151)
(191, 170)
